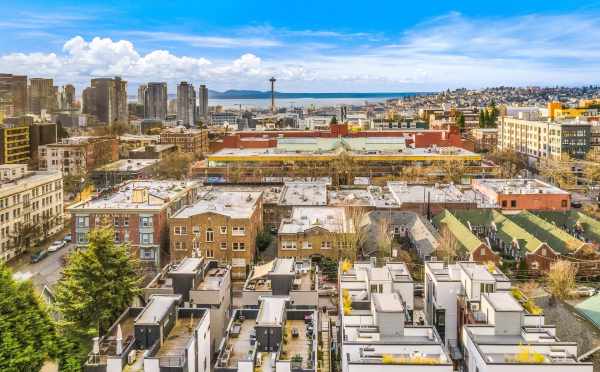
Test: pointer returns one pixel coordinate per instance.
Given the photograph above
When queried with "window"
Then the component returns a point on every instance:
(504, 204)
(210, 253)
(223, 230)
(147, 254)
(179, 246)
(82, 238)
(238, 246)
(146, 238)
(180, 230)
(486, 288)
(209, 235)
(126, 221)
(238, 230)
(288, 245)
(223, 246)
(196, 229)
(325, 245)
(563, 203)
(306, 245)
(117, 237)
(146, 221)
(535, 265)
(116, 221)
(83, 221)
(513, 203)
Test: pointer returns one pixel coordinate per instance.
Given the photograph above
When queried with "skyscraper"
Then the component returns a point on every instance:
(186, 104)
(203, 101)
(141, 94)
(107, 100)
(67, 97)
(41, 95)
(155, 101)
(13, 95)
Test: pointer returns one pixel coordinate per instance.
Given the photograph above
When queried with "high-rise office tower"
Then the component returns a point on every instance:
(203, 101)
(186, 104)
(41, 95)
(13, 95)
(67, 97)
(141, 94)
(155, 101)
(107, 100)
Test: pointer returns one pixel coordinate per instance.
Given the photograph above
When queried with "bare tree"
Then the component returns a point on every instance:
(449, 248)
(510, 163)
(559, 171)
(351, 232)
(384, 237)
(561, 279)
(529, 288)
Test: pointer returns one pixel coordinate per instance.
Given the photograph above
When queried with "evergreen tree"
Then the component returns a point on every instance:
(333, 120)
(460, 121)
(28, 335)
(481, 119)
(486, 118)
(98, 284)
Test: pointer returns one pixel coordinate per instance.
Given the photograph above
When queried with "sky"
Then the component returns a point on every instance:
(309, 46)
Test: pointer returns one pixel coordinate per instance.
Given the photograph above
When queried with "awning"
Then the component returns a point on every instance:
(261, 271)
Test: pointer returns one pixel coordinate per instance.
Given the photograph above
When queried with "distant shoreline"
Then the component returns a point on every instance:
(334, 95)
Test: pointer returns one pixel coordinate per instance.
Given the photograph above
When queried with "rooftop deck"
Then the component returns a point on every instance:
(297, 341)
(239, 345)
(175, 343)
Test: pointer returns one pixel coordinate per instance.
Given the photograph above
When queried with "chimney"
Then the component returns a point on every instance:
(96, 346)
(119, 340)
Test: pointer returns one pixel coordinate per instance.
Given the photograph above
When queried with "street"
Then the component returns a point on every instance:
(45, 272)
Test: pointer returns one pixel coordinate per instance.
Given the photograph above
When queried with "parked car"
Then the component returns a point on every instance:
(67, 238)
(56, 245)
(583, 291)
(37, 257)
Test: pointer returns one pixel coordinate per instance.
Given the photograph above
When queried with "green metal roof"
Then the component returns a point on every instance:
(590, 309)
(591, 226)
(461, 233)
(558, 239)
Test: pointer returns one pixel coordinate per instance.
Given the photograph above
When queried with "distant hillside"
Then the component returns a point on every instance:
(256, 94)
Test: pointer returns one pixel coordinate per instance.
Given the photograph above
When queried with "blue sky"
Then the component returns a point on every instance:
(310, 46)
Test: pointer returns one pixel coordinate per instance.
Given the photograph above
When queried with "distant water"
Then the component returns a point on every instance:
(316, 100)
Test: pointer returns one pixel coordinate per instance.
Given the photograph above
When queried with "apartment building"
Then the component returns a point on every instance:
(313, 232)
(201, 283)
(376, 328)
(14, 143)
(518, 194)
(31, 208)
(277, 336)
(138, 211)
(453, 294)
(163, 336)
(544, 139)
(510, 337)
(193, 141)
(282, 277)
(114, 173)
(220, 225)
(78, 155)
(485, 139)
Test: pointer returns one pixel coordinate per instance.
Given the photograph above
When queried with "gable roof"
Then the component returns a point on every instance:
(591, 226)
(463, 235)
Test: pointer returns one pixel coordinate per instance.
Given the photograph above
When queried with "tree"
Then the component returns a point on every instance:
(263, 240)
(559, 171)
(561, 279)
(97, 284)
(449, 249)
(174, 166)
(28, 335)
(509, 162)
(384, 237)
(350, 233)
(454, 170)
(460, 121)
(333, 120)
(481, 119)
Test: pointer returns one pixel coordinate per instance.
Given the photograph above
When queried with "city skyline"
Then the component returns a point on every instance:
(331, 47)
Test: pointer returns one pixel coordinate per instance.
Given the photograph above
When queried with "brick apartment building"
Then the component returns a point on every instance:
(78, 155)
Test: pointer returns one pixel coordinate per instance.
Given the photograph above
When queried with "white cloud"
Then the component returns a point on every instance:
(206, 41)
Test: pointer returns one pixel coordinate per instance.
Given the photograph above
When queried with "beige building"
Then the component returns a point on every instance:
(78, 155)
(544, 139)
(31, 208)
(187, 140)
(221, 225)
(313, 232)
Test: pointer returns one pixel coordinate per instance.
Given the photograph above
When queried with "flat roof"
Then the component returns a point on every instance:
(520, 186)
(438, 193)
(235, 204)
(271, 311)
(188, 265)
(503, 301)
(283, 266)
(157, 309)
(160, 193)
(303, 193)
(332, 219)
(387, 302)
(127, 165)
(30, 179)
